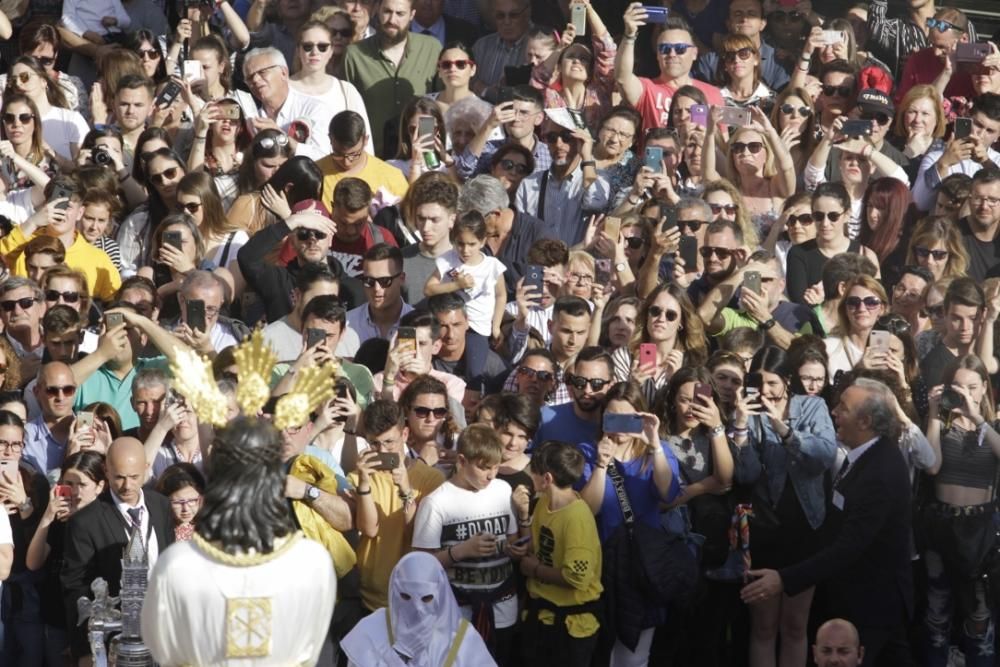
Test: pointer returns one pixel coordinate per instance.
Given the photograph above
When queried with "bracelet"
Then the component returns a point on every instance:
(717, 430)
(525, 523)
(629, 38)
(803, 69)
(739, 433)
(588, 163)
(364, 493)
(407, 497)
(451, 555)
(201, 138)
(346, 432)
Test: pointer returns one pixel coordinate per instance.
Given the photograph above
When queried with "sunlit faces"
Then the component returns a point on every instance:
(184, 504)
(588, 398)
(333, 330)
(536, 378)
(27, 309)
(621, 325)
(773, 387)
(433, 223)
(616, 135)
(933, 256)
(514, 440)
(537, 50)
(832, 227)
(164, 175)
(681, 116)
(476, 475)
(984, 204)
(683, 400)
(920, 117)
(834, 104)
(26, 80)
(69, 290)
(456, 68)
(453, 326)
(663, 318)
(719, 253)
(908, 293)
(315, 49)
(569, 334)
(854, 168)
(132, 107)
(392, 21)
(860, 313)
(812, 377)
(722, 204)
(799, 224)
(510, 170)
(426, 416)
(748, 150)
(265, 77)
(19, 123)
(192, 206)
(468, 246)
(188, 246)
(461, 133)
(673, 64)
(794, 118)
(211, 294)
(745, 18)
(147, 402)
(580, 279)
(970, 381)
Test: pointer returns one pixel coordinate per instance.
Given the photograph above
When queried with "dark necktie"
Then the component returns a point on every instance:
(843, 471)
(135, 514)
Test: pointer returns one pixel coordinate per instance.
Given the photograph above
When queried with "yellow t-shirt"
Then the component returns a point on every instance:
(103, 279)
(387, 183)
(377, 556)
(567, 539)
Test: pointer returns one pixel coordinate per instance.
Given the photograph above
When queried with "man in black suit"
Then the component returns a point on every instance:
(867, 565)
(429, 19)
(97, 534)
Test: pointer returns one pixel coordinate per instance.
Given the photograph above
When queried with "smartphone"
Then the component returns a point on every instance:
(314, 337)
(342, 391)
(517, 76)
(963, 128)
(703, 389)
(857, 128)
(602, 271)
(653, 158)
(699, 114)
(655, 14)
(735, 116)
(387, 461)
(173, 238)
(622, 423)
(505, 94)
(689, 253)
(971, 53)
(833, 37)
(647, 354)
(522, 541)
(669, 217)
(84, 419)
(192, 70)
(578, 17)
(60, 191)
(229, 111)
(113, 320)
(64, 491)
(406, 337)
(878, 341)
(167, 96)
(425, 126)
(613, 226)
(751, 281)
(196, 315)
(8, 467)
(752, 384)
(535, 277)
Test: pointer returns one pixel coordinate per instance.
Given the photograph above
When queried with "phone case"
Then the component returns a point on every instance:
(653, 158)
(963, 128)
(689, 252)
(751, 281)
(699, 114)
(857, 128)
(655, 14)
(879, 341)
(647, 354)
(734, 116)
(579, 19)
(612, 227)
(196, 315)
(535, 277)
(622, 423)
(603, 271)
(425, 126)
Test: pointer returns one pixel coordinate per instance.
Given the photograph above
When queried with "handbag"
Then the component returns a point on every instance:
(666, 571)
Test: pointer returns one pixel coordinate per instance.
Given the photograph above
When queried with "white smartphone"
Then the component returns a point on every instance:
(879, 341)
(192, 70)
(833, 37)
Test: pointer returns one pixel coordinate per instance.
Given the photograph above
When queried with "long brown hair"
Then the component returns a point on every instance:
(690, 333)
(213, 218)
(37, 152)
(52, 90)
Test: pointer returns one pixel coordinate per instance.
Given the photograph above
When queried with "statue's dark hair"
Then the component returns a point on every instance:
(245, 506)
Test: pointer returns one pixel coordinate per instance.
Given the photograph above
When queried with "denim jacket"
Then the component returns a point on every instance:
(808, 453)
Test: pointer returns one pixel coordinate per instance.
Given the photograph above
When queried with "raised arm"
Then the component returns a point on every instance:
(631, 86)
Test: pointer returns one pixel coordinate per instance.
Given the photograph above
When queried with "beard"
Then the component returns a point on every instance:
(392, 39)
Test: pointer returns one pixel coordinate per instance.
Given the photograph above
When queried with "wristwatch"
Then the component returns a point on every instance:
(620, 267)
(765, 326)
(312, 494)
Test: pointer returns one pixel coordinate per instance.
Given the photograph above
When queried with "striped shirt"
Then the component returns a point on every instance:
(492, 54)
(893, 40)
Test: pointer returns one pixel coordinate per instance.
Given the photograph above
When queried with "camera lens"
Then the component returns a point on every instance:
(101, 157)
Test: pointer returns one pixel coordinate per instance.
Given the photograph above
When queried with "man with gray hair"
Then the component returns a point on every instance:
(201, 297)
(21, 311)
(149, 387)
(867, 564)
(509, 233)
(265, 71)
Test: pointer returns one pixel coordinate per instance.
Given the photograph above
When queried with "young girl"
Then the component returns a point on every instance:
(100, 214)
(478, 279)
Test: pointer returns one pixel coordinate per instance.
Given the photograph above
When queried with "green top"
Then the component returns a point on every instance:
(106, 387)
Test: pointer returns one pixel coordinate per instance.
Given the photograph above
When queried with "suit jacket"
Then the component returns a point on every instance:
(457, 30)
(867, 563)
(95, 539)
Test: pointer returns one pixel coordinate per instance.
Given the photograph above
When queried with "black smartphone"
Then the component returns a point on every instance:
(622, 423)
(963, 128)
(505, 94)
(112, 320)
(196, 315)
(314, 337)
(752, 384)
(161, 274)
(517, 76)
(387, 461)
(689, 253)
(60, 191)
(857, 128)
(535, 277)
(169, 93)
(669, 217)
(173, 238)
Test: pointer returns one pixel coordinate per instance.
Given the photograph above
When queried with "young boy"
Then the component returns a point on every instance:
(468, 524)
(563, 566)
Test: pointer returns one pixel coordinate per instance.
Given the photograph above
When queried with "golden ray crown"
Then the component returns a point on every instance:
(193, 379)
(313, 387)
(254, 362)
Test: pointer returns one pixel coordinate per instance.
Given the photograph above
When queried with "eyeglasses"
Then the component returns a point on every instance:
(754, 147)
(191, 207)
(789, 110)
(510, 16)
(707, 251)
(309, 234)
(353, 155)
(832, 216)
(457, 64)
(784, 17)
(935, 312)
(185, 503)
(880, 118)
(424, 412)
(923, 252)
(322, 47)
(656, 311)
(7, 446)
(148, 54)
(344, 33)
(260, 73)
(691, 225)
(666, 48)
(624, 136)
(517, 167)
(68, 297)
(65, 390)
(580, 278)
(718, 208)
(25, 303)
(580, 382)
(581, 58)
(989, 201)
(384, 282)
(893, 323)
(635, 242)
(839, 91)
(803, 220)
(941, 26)
(22, 118)
(45, 61)
(809, 379)
(268, 143)
(742, 54)
(168, 174)
(565, 135)
(23, 77)
(856, 302)
(544, 376)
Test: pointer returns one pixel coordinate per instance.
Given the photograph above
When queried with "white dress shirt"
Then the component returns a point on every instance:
(360, 320)
(566, 201)
(80, 16)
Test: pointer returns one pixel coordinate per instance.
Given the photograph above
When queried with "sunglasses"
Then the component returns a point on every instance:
(894, 324)
(544, 376)
(742, 54)
(804, 220)
(869, 302)
(935, 312)
(707, 251)
(424, 412)
(566, 136)
(680, 49)
(691, 225)
(922, 252)
(45, 61)
(789, 110)
(345, 33)
(839, 91)
(580, 382)
(942, 26)
(656, 311)
(322, 47)
(25, 303)
(832, 216)
(22, 118)
(718, 208)
(193, 207)
(754, 147)
(880, 118)
(517, 167)
(384, 282)
(784, 17)
(167, 174)
(65, 390)
(267, 143)
(635, 242)
(457, 64)
(23, 77)
(54, 295)
(309, 234)
(148, 54)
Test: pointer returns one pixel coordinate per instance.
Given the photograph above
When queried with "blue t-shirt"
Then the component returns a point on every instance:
(639, 485)
(561, 423)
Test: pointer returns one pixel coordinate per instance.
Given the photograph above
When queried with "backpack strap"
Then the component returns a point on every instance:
(543, 186)
(388, 627)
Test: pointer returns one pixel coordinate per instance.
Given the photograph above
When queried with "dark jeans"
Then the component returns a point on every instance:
(555, 648)
(886, 647)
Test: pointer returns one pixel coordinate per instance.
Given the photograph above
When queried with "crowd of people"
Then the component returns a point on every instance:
(663, 334)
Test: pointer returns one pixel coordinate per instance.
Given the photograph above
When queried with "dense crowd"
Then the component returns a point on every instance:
(668, 332)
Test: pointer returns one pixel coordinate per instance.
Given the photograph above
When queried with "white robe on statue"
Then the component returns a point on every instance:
(248, 612)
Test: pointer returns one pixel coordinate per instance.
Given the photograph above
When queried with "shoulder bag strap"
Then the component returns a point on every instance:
(388, 627)
(619, 483)
(224, 260)
(456, 644)
(540, 213)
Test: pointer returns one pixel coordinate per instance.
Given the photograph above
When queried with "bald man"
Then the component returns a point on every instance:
(97, 534)
(46, 436)
(838, 645)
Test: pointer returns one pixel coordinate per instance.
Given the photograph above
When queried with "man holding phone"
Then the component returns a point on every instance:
(201, 299)
(517, 118)
(588, 380)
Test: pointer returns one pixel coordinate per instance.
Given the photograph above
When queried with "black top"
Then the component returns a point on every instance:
(932, 366)
(525, 230)
(983, 255)
(804, 267)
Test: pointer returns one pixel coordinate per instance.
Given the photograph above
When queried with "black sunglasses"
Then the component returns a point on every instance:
(635, 242)
(424, 412)
(167, 174)
(892, 323)
(804, 220)
(544, 376)
(742, 54)
(518, 167)
(656, 311)
(869, 302)
(580, 382)
(718, 208)
(754, 147)
(922, 252)
(707, 251)
(832, 216)
(880, 118)
(304, 234)
(309, 47)
(789, 110)
(935, 312)
(68, 297)
(45, 61)
(23, 118)
(25, 303)
(840, 91)
(565, 135)
(691, 225)
(385, 282)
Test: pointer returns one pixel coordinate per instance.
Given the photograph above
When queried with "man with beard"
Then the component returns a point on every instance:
(964, 303)
(391, 67)
(722, 254)
(589, 381)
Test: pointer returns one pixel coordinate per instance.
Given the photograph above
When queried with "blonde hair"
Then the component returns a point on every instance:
(919, 92)
(938, 229)
(865, 282)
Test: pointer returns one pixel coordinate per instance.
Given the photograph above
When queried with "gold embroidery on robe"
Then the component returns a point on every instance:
(248, 627)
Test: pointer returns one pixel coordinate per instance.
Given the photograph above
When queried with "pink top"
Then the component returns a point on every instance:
(654, 103)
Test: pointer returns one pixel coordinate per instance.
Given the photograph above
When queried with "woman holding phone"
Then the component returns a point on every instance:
(863, 304)
(785, 443)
